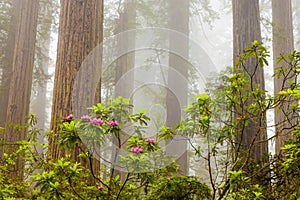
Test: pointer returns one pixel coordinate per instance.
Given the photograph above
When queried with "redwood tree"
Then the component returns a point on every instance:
(246, 29)
(7, 60)
(42, 62)
(283, 43)
(177, 74)
(8, 49)
(21, 78)
(80, 31)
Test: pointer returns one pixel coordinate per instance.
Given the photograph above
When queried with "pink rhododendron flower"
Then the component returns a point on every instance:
(136, 149)
(96, 121)
(100, 187)
(69, 116)
(85, 117)
(112, 123)
(150, 140)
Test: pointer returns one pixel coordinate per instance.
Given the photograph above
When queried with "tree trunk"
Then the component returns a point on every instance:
(124, 79)
(8, 60)
(125, 64)
(283, 43)
(80, 31)
(21, 79)
(7, 65)
(177, 76)
(246, 29)
(42, 62)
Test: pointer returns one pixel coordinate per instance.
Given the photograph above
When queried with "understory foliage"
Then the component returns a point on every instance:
(212, 126)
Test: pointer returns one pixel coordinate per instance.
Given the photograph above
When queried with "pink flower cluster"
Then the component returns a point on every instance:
(99, 121)
(93, 120)
(100, 187)
(96, 121)
(112, 123)
(150, 140)
(85, 117)
(69, 116)
(136, 149)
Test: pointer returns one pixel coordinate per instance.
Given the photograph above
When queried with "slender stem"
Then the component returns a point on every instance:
(77, 194)
(93, 174)
(127, 178)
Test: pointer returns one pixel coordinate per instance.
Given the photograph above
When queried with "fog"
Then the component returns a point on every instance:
(152, 53)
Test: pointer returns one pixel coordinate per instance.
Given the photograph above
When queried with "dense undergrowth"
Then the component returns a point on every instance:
(216, 117)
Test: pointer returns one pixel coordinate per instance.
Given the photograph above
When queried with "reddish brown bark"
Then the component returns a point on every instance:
(21, 79)
(80, 31)
(246, 29)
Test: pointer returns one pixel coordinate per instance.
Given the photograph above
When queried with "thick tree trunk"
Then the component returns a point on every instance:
(7, 65)
(177, 75)
(283, 43)
(246, 29)
(8, 60)
(80, 31)
(21, 79)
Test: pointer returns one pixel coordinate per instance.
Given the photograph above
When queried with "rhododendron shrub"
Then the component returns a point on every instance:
(144, 162)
